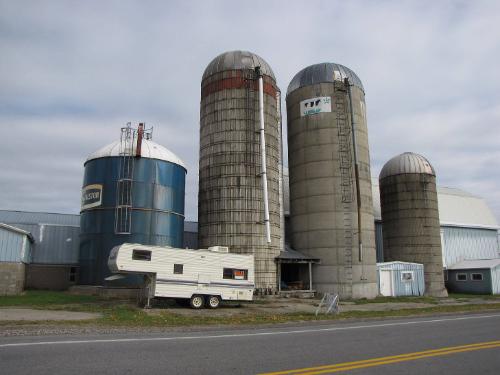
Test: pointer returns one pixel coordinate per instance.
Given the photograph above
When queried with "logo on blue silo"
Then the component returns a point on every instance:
(91, 196)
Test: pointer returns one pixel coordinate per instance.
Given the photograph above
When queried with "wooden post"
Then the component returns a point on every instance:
(310, 277)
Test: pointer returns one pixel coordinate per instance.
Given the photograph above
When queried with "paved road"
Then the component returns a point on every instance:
(269, 350)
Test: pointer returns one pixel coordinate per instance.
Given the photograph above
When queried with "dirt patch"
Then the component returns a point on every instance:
(9, 314)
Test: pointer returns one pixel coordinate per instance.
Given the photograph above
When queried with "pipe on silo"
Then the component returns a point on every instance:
(356, 170)
(263, 154)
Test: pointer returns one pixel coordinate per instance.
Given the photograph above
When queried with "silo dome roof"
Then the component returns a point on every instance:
(237, 60)
(407, 162)
(149, 149)
(324, 72)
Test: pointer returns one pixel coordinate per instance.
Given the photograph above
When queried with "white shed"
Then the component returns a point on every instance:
(400, 279)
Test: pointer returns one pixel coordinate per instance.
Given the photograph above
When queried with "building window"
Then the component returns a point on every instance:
(477, 277)
(461, 277)
(235, 274)
(141, 255)
(407, 276)
(178, 269)
(72, 274)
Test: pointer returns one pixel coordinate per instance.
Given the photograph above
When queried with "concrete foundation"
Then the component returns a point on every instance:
(12, 278)
(51, 277)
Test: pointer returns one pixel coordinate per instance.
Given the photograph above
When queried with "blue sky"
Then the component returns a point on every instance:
(73, 72)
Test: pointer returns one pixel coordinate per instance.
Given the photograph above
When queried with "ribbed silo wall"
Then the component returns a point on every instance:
(157, 213)
(410, 218)
(323, 206)
(230, 204)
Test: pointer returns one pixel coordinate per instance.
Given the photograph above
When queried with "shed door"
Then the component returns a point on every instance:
(386, 288)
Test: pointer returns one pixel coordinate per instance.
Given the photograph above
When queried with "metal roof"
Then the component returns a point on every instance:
(149, 150)
(476, 264)
(237, 60)
(17, 230)
(293, 255)
(27, 217)
(407, 162)
(456, 208)
(324, 72)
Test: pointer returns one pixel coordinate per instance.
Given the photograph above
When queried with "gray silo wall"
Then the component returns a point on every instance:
(410, 218)
(323, 207)
(157, 213)
(230, 204)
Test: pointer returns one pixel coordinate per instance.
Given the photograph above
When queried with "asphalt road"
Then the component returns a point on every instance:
(438, 345)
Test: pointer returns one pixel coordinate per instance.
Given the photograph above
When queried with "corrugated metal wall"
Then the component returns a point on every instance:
(416, 287)
(495, 280)
(458, 244)
(54, 244)
(14, 247)
(468, 243)
(26, 217)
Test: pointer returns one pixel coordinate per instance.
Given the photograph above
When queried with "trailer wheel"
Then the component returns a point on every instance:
(213, 301)
(196, 301)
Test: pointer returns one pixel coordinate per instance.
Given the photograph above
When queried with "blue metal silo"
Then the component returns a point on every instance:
(133, 191)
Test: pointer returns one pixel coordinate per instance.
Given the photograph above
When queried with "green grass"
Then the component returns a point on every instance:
(406, 299)
(126, 314)
(43, 298)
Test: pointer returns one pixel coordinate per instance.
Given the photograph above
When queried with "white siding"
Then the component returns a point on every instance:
(495, 280)
(467, 244)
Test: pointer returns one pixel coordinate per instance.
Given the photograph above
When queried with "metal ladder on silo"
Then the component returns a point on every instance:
(346, 185)
(124, 184)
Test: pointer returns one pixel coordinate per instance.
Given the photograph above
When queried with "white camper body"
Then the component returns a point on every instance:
(213, 274)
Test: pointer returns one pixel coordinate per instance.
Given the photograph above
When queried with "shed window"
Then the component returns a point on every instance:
(235, 274)
(407, 276)
(72, 274)
(141, 255)
(477, 277)
(178, 269)
(461, 277)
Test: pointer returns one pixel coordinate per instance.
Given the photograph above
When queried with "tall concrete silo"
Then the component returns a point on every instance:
(331, 212)
(232, 205)
(133, 191)
(410, 217)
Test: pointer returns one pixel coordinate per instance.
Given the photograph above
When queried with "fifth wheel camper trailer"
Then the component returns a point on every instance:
(205, 277)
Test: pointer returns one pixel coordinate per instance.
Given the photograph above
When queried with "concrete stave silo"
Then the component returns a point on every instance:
(410, 217)
(323, 182)
(152, 212)
(231, 200)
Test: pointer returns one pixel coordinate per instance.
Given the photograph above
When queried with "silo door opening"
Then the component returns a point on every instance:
(294, 276)
(295, 273)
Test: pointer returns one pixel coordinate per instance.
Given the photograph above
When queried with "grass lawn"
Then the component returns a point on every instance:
(126, 314)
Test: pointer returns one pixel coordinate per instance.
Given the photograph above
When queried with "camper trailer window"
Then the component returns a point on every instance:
(235, 274)
(141, 255)
(178, 269)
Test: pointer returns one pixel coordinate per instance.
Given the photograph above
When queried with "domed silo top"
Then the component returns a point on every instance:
(149, 149)
(407, 162)
(237, 60)
(324, 72)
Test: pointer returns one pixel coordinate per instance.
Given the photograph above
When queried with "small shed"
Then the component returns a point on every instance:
(400, 279)
(15, 251)
(480, 276)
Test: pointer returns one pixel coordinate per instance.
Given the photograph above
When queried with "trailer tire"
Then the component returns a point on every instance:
(196, 301)
(213, 301)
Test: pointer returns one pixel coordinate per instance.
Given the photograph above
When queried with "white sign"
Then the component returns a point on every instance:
(91, 196)
(315, 105)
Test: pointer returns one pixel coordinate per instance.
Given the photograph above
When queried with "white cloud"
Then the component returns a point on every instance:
(73, 72)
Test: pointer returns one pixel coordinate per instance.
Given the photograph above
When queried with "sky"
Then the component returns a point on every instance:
(72, 73)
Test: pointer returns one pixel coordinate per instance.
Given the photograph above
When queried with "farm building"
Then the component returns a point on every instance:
(401, 279)
(481, 276)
